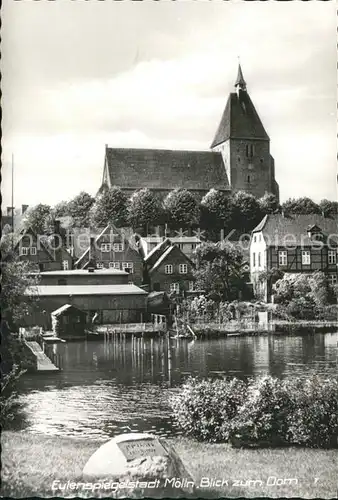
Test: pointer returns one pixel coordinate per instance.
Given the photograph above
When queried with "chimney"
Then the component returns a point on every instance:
(24, 208)
(10, 211)
(56, 226)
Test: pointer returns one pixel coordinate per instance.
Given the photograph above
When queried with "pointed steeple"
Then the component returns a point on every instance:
(240, 82)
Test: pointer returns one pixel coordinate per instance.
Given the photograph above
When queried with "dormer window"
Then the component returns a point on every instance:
(314, 232)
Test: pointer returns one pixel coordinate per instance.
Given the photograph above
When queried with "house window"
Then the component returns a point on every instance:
(306, 257)
(332, 279)
(183, 268)
(33, 250)
(249, 150)
(118, 247)
(168, 269)
(128, 267)
(191, 286)
(193, 246)
(99, 265)
(259, 237)
(332, 257)
(24, 250)
(253, 260)
(105, 247)
(255, 238)
(114, 265)
(259, 259)
(65, 265)
(174, 287)
(282, 258)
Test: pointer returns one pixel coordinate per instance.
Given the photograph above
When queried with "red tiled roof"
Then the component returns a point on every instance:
(165, 169)
(240, 120)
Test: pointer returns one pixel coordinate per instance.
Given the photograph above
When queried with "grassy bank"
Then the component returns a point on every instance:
(30, 463)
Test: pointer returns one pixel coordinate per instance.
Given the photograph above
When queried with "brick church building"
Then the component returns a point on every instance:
(239, 158)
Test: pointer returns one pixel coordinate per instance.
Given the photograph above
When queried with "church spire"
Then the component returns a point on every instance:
(240, 82)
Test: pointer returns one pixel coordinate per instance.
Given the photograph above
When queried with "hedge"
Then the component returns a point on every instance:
(265, 411)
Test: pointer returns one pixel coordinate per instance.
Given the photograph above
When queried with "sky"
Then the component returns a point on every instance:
(78, 75)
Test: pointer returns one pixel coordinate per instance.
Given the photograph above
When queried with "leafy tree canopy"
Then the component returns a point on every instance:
(329, 208)
(218, 270)
(246, 211)
(269, 204)
(217, 210)
(40, 219)
(144, 209)
(110, 207)
(79, 209)
(181, 208)
(302, 206)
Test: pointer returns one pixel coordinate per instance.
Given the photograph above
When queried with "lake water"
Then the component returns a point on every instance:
(107, 388)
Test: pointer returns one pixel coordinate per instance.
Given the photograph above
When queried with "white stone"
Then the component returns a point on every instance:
(143, 457)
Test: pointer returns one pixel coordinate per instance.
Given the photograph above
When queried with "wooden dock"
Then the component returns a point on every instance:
(43, 363)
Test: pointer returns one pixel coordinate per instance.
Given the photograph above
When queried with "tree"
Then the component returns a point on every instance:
(216, 210)
(218, 270)
(181, 208)
(110, 207)
(301, 206)
(39, 219)
(269, 204)
(144, 210)
(79, 209)
(16, 277)
(246, 211)
(329, 208)
(61, 209)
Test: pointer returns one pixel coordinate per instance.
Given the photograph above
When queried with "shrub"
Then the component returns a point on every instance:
(265, 411)
(204, 409)
(314, 420)
(8, 398)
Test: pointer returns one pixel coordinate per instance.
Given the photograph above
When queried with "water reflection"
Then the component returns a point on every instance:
(107, 388)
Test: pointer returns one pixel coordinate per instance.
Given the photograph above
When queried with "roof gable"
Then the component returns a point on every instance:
(240, 120)
(277, 228)
(169, 252)
(165, 169)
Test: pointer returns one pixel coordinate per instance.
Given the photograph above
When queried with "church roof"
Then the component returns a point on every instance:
(240, 120)
(165, 169)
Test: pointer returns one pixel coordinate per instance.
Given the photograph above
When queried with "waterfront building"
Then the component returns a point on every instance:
(293, 243)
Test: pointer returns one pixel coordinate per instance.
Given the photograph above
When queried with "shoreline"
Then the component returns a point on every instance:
(31, 462)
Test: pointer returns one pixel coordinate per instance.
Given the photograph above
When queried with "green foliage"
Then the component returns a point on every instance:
(61, 209)
(144, 210)
(264, 411)
(181, 209)
(8, 397)
(269, 204)
(110, 208)
(246, 211)
(303, 295)
(79, 209)
(329, 208)
(216, 210)
(218, 270)
(39, 219)
(301, 206)
(204, 409)
(15, 278)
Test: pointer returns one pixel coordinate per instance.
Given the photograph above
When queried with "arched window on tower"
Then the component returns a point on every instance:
(248, 179)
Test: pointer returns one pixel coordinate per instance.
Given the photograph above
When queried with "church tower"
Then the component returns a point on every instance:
(245, 145)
